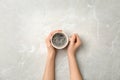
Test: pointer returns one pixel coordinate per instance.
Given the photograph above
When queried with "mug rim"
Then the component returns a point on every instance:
(64, 44)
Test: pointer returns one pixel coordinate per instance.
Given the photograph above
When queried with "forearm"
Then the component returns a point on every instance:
(74, 69)
(49, 73)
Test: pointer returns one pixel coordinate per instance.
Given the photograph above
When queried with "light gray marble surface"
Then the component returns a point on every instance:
(24, 24)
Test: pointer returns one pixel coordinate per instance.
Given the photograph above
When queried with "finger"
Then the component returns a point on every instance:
(72, 39)
(48, 42)
(78, 42)
(50, 35)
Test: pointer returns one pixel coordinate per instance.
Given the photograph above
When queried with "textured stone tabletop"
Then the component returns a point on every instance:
(24, 24)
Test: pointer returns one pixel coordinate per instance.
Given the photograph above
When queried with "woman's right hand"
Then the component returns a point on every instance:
(74, 44)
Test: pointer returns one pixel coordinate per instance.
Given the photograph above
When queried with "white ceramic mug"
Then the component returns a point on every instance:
(65, 44)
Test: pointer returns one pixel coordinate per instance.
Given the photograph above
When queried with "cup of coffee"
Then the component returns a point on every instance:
(59, 40)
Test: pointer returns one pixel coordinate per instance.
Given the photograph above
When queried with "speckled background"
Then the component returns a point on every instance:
(24, 24)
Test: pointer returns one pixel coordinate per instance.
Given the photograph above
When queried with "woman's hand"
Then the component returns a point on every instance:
(49, 73)
(74, 44)
(50, 48)
(73, 65)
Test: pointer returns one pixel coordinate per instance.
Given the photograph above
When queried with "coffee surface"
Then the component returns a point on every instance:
(59, 39)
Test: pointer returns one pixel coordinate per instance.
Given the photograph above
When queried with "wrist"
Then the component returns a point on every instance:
(71, 55)
(71, 58)
(70, 52)
(51, 55)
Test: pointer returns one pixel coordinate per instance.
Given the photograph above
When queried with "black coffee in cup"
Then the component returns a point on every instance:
(59, 39)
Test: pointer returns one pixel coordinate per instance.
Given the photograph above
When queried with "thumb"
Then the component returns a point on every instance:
(72, 39)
